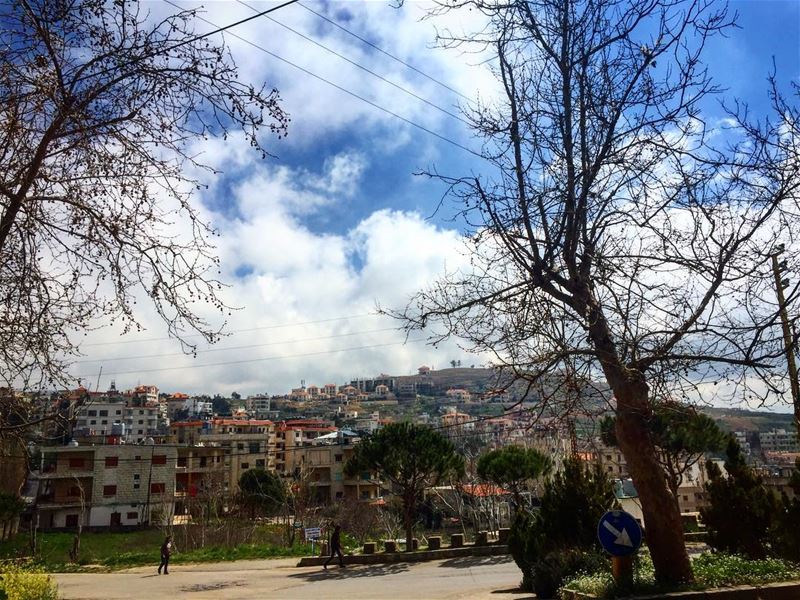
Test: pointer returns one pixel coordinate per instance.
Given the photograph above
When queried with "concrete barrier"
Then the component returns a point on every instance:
(419, 556)
(457, 540)
(502, 535)
(435, 542)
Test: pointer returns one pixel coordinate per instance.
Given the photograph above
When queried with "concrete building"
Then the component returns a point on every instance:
(106, 486)
(779, 440)
(321, 465)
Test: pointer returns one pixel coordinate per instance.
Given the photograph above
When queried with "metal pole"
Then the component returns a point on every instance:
(788, 342)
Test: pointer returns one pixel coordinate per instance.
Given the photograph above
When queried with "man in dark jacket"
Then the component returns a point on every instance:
(336, 547)
(166, 550)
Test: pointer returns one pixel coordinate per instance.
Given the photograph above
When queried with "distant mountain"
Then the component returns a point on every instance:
(736, 419)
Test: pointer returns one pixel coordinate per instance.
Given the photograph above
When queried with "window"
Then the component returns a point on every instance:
(157, 488)
(136, 476)
(119, 412)
(111, 461)
(132, 516)
(608, 457)
(137, 457)
(181, 461)
(92, 413)
(202, 461)
(338, 458)
(260, 463)
(92, 422)
(76, 463)
(136, 486)
(109, 490)
(610, 469)
(141, 422)
(103, 413)
(245, 465)
(339, 495)
(160, 459)
(255, 447)
(240, 447)
(72, 521)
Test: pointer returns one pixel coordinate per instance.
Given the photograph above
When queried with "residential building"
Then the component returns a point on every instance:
(779, 440)
(106, 486)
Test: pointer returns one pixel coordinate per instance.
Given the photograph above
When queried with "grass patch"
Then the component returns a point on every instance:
(711, 570)
(121, 550)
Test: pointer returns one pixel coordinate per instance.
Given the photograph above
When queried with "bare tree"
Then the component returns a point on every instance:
(100, 104)
(612, 235)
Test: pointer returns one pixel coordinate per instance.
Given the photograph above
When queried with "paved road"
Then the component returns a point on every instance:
(473, 578)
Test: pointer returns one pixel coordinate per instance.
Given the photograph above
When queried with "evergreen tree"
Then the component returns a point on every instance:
(412, 457)
(740, 509)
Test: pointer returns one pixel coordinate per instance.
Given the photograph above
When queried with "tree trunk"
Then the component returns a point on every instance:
(409, 504)
(662, 516)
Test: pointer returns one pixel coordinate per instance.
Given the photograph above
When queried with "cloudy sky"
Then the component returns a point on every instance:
(313, 240)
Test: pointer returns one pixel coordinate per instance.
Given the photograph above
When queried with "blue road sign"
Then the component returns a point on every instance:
(619, 533)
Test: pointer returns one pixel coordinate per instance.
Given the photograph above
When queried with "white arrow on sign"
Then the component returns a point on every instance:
(623, 539)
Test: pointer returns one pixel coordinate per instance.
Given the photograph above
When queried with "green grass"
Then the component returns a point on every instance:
(711, 570)
(119, 550)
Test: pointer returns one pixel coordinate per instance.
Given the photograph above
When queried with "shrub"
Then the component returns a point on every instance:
(27, 583)
(785, 531)
(560, 539)
(740, 510)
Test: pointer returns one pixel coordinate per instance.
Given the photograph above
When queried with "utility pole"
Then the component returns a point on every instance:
(788, 338)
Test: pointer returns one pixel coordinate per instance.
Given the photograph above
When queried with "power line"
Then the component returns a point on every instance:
(228, 348)
(255, 360)
(381, 50)
(343, 89)
(360, 66)
(265, 327)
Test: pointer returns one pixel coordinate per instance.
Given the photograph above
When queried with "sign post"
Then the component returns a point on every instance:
(312, 534)
(620, 536)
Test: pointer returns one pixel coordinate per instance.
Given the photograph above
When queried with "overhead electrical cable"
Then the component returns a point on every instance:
(343, 89)
(265, 327)
(229, 348)
(362, 67)
(381, 50)
(254, 360)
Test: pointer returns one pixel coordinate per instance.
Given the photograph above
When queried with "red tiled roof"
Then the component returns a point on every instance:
(482, 490)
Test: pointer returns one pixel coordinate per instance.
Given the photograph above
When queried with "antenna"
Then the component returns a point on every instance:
(97, 387)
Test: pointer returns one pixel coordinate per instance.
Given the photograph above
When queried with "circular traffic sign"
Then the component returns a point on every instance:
(619, 533)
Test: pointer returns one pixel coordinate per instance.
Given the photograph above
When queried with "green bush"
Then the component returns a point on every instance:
(785, 531)
(26, 583)
(560, 539)
(741, 510)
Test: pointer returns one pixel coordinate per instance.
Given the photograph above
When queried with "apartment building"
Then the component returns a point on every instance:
(779, 440)
(320, 465)
(105, 486)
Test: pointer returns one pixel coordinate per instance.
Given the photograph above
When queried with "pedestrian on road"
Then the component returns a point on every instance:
(166, 550)
(336, 547)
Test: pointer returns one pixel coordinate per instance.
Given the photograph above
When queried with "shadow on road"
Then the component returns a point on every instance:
(467, 562)
(352, 572)
(516, 591)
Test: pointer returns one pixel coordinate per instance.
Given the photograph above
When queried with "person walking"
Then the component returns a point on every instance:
(336, 547)
(166, 550)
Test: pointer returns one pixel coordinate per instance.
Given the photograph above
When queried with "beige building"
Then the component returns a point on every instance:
(106, 486)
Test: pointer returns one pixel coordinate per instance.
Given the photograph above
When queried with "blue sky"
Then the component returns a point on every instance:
(338, 222)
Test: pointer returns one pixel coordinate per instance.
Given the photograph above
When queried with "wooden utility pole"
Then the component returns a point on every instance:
(788, 339)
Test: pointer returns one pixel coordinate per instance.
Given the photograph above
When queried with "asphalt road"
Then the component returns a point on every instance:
(473, 578)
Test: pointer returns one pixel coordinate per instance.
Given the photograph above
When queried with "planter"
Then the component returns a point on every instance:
(369, 547)
(457, 540)
(390, 546)
(435, 542)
